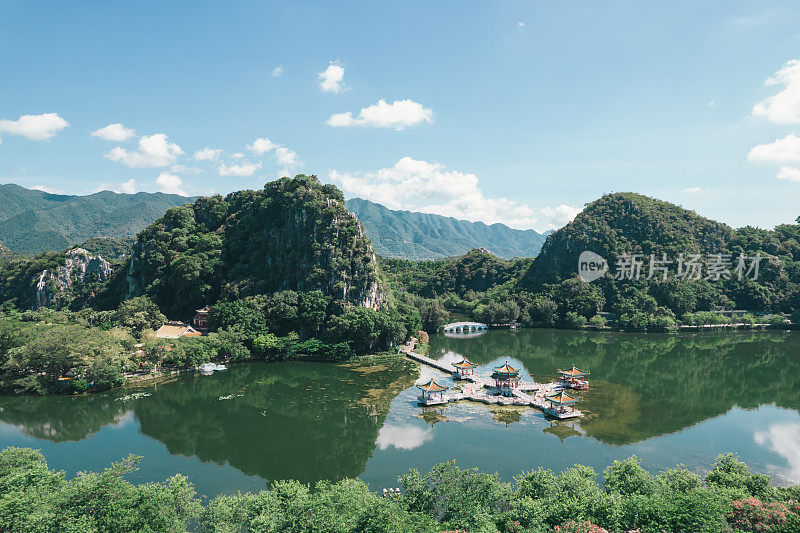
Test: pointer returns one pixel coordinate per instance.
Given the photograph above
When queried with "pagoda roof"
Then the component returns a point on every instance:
(562, 398)
(506, 369)
(431, 386)
(573, 372)
(464, 364)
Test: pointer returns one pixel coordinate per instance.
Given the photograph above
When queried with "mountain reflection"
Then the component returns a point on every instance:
(644, 385)
(305, 421)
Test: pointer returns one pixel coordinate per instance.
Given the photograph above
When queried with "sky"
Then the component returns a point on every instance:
(518, 112)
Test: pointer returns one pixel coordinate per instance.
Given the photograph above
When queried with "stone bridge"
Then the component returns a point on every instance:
(465, 327)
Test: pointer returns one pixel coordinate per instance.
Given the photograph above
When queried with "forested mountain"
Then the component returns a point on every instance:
(294, 234)
(420, 236)
(547, 290)
(34, 221)
(626, 223)
(629, 223)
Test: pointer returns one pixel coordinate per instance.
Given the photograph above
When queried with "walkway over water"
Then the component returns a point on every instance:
(480, 389)
(465, 327)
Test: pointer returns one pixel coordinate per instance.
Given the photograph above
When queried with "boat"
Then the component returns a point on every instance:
(208, 368)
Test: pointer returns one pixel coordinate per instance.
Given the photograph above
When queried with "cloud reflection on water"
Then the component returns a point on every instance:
(783, 439)
(405, 437)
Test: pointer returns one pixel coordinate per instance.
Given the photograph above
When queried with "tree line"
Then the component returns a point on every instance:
(729, 498)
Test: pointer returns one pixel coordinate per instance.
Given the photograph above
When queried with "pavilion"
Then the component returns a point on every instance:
(572, 378)
(561, 404)
(465, 368)
(432, 393)
(506, 378)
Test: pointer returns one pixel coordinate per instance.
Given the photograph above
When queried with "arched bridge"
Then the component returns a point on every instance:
(465, 327)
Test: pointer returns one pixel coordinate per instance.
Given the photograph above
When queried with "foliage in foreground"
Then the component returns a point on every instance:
(730, 498)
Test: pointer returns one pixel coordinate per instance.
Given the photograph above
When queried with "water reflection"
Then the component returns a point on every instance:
(666, 398)
(783, 439)
(305, 421)
(644, 385)
(405, 437)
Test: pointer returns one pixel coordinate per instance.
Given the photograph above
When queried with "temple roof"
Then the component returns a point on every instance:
(562, 398)
(432, 386)
(464, 364)
(573, 372)
(506, 369)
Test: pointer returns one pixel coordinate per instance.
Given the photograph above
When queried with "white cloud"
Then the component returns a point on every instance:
(244, 169)
(170, 183)
(114, 132)
(432, 188)
(261, 145)
(277, 71)
(398, 115)
(406, 437)
(711, 103)
(521, 24)
(34, 127)
(237, 155)
(129, 187)
(153, 151)
(692, 189)
(331, 78)
(285, 157)
(782, 150)
(784, 107)
(207, 154)
(558, 216)
(789, 173)
(48, 190)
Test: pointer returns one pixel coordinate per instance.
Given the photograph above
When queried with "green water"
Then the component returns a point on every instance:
(667, 398)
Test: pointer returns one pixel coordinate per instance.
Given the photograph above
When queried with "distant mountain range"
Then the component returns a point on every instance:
(417, 236)
(33, 221)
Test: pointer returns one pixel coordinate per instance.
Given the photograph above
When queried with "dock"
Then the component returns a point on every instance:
(483, 390)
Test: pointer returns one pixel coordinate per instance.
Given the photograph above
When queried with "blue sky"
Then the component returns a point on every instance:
(519, 112)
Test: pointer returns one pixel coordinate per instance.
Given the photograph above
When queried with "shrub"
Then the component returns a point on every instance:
(578, 527)
(751, 514)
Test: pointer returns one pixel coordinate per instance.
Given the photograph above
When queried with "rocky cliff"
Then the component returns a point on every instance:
(79, 276)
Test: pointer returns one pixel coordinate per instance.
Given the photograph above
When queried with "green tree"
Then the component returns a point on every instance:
(138, 314)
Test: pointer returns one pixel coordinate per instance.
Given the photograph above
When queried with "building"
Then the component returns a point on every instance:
(432, 393)
(173, 330)
(465, 368)
(562, 405)
(572, 378)
(506, 377)
(735, 313)
(202, 320)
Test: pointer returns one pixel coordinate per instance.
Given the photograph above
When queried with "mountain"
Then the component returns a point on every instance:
(420, 236)
(294, 234)
(628, 223)
(34, 221)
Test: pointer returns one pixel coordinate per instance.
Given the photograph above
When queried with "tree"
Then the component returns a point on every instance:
(138, 314)
(433, 315)
(239, 315)
(628, 477)
(312, 311)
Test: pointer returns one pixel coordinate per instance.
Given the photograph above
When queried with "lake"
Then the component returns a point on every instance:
(667, 398)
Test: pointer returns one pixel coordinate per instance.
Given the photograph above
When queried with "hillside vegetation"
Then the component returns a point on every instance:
(34, 221)
(423, 236)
